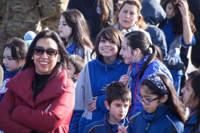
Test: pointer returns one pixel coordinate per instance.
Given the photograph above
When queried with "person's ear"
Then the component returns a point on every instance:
(107, 105)
(163, 99)
(76, 76)
(59, 57)
(22, 62)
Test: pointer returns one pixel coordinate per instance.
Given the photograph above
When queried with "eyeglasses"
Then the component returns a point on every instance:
(147, 102)
(50, 52)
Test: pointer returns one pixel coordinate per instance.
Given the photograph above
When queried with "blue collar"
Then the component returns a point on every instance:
(8, 74)
(160, 112)
(192, 119)
(71, 49)
(114, 127)
(139, 64)
(108, 66)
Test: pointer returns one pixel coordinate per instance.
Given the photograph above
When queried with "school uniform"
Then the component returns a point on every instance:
(92, 81)
(104, 126)
(162, 121)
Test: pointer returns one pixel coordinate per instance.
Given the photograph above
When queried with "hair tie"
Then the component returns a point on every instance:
(158, 82)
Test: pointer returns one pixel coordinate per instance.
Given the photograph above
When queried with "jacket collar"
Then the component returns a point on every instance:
(139, 65)
(108, 66)
(160, 112)
(8, 74)
(192, 120)
(112, 126)
(124, 31)
(21, 85)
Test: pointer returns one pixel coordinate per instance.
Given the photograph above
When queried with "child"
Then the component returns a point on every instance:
(74, 31)
(13, 59)
(191, 97)
(162, 111)
(95, 76)
(74, 67)
(118, 99)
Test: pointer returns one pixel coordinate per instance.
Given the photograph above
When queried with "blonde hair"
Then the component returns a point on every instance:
(140, 21)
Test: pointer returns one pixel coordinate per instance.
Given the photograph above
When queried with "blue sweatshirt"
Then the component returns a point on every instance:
(155, 67)
(171, 38)
(190, 123)
(163, 121)
(103, 126)
(100, 75)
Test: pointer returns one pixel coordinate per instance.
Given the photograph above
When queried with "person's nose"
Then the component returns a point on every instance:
(44, 55)
(120, 52)
(5, 61)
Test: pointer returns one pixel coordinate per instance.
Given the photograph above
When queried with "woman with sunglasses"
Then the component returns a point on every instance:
(162, 113)
(40, 98)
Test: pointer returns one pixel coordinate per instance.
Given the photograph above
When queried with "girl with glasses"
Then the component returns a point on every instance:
(162, 113)
(40, 98)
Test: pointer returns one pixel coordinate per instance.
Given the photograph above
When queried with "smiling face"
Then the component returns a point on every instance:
(146, 94)
(108, 49)
(188, 96)
(126, 52)
(64, 30)
(9, 63)
(170, 12)
(118, 110)
(43, 63)
(128, 16)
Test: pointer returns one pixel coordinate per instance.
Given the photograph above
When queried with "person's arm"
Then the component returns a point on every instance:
(187, 32)
(47, 120)
(9, 125)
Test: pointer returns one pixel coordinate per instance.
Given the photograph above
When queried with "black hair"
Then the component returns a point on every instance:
(77, 62)
(61, 49)
(117, 90)
(194, 77)
(18, 47)
(138, 39)
(176, 106)
(109, 33)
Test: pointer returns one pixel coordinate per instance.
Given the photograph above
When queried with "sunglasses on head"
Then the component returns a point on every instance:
(50, 52)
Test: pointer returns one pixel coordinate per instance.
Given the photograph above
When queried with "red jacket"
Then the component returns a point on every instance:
(19, 113)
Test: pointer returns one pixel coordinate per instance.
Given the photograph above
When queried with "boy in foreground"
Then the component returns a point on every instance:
(118, 99)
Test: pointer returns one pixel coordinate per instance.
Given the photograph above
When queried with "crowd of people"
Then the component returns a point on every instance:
(114, 66)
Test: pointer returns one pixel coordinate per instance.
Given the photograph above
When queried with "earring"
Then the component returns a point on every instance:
(32, 58)
(58, 60)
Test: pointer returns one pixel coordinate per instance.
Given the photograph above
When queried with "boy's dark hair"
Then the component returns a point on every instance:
(117, 90)
(78, 63)
(18, 47)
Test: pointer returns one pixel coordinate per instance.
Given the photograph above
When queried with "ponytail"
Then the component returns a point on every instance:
(156, 54)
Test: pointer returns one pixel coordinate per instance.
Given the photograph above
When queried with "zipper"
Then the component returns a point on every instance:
(147, 128)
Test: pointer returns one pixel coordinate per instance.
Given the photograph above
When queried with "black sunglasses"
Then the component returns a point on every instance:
(50, 52)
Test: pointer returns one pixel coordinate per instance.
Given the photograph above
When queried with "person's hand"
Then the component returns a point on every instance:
(183, 7)
(124, 79)
(92, 105)
(122, 129)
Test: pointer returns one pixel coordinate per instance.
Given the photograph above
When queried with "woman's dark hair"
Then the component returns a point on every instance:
(141, 23)
(138, 39)
(61, 49)
(18, 47)
(80, 31)
(174, 103)
(106, 6)
(178, 23)
(109, 33)
(194, 77)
